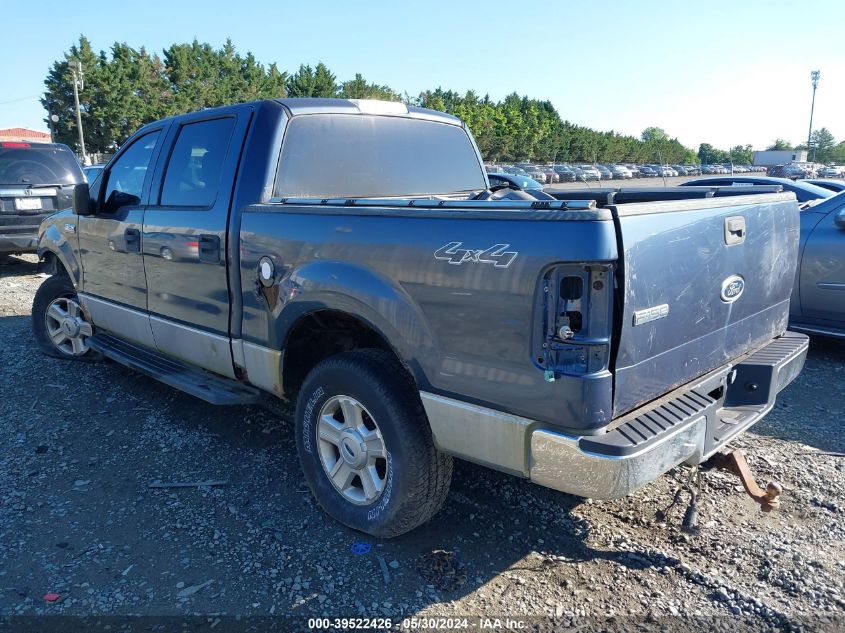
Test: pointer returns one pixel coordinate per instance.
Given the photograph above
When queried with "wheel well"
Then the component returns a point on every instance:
(318, 336)
(51, 264)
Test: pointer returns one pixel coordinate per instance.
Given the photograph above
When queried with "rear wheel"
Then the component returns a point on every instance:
(60, 326)
(365, 444)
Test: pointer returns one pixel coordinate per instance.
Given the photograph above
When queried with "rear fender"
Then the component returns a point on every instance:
(362, 294)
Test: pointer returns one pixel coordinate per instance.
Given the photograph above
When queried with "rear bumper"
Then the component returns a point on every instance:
(19, 233)
(686, 426)
(18, 242)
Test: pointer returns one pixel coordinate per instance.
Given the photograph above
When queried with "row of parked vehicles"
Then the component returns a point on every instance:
(800, 171)
(551, 174)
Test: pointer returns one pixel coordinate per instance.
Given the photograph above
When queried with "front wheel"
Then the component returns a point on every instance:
(60, 326)
(365, 444)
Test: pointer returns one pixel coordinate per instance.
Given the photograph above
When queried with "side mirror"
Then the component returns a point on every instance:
(839, 218)
(81, 199)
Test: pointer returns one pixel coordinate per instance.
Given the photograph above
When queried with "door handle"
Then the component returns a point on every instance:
(734, 230)
(209, 248)
(132, 240)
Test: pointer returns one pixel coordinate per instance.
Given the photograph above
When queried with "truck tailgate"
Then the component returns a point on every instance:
(701, 282)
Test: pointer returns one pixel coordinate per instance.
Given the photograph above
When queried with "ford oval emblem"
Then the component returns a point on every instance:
(732, 288)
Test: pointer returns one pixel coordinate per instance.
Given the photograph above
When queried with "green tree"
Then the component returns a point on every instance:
(779, 145)
(741, 155)
(312, 82)
(821, 145)
(360, 88)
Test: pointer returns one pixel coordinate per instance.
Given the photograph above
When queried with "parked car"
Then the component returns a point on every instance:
(580, 174)
(803, 192)
(590, 172)
(551, 175)
(565, 173)
(520, 182)
(36, 179)
(536, 174)
(620, 172)
(693, 170)
(593, 374)
(834, 185)
(793, 172)
(830, 171)
(91, 172)
(606, 174)
(818, 302)
(647, 172)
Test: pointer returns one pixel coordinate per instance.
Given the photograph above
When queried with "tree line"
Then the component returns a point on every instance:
(823, 147)
(127, 87)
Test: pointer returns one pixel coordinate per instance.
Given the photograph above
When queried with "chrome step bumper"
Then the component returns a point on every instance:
(686, 426)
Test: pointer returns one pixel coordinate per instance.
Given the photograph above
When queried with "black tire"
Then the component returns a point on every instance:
(54, 287)
(418, 475)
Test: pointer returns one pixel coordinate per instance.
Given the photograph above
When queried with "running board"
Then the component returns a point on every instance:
(203, 385)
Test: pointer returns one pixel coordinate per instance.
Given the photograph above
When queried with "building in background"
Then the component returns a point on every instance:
(779, 157)
(23, 135)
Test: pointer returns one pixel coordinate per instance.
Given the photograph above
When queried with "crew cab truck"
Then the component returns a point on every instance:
(349, 256)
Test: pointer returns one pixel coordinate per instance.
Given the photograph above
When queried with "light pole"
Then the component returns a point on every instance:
(77, 86)
(814, 76)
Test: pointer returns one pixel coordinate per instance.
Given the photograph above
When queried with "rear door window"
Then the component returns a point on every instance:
(193, 172)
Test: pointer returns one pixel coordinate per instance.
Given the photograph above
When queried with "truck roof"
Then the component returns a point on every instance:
(310, 105)
(298, 106)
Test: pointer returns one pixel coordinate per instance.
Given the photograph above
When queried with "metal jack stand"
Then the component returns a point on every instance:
(735, 462)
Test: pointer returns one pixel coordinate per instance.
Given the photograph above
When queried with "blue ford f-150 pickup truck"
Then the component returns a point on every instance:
(349, 256)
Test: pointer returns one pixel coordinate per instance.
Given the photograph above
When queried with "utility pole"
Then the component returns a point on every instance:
(77, 86)
(814, 77)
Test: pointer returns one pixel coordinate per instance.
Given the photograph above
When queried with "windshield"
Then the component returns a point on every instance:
(34, 165)
(363, 156)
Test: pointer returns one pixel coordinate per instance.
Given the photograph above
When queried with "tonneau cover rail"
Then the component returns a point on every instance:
(551, 205)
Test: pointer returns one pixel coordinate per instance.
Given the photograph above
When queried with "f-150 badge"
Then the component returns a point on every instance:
(498, 255)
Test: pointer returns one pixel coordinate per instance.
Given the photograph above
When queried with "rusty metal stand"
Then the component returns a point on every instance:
(735, 462)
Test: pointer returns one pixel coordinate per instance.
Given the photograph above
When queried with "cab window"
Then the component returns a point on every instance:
(126, 177)
(193, 172)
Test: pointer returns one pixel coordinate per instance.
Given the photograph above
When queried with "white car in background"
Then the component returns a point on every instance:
(830, 171)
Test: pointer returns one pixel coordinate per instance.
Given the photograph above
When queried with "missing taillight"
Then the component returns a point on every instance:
(571, 288)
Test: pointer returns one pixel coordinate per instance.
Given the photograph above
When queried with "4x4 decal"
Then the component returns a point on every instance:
(498, 255)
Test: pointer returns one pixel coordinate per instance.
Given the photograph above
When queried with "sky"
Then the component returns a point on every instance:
(725, 73)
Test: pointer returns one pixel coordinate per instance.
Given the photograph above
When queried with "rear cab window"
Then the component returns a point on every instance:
(365, 156)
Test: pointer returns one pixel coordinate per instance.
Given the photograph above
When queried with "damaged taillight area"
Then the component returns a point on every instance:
(574, 321)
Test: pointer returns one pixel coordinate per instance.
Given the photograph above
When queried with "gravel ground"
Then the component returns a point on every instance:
(81, 442)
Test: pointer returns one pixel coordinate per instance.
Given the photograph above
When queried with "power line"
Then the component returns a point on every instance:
(20, 99)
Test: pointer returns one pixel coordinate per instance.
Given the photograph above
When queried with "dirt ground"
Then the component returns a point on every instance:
(81, 442)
